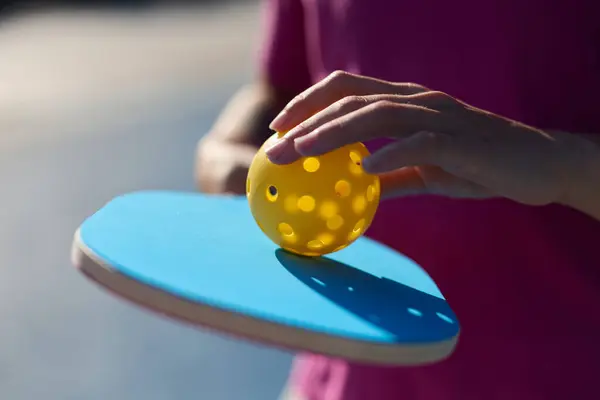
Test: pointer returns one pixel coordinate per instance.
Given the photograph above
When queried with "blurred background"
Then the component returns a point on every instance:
(98, 98)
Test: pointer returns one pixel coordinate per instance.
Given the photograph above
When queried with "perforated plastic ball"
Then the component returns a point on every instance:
(315, 205)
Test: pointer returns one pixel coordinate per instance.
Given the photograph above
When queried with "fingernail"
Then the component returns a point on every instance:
(367, 164)
(279, 120)
(275, 151)
(296, 131)
(305, 143)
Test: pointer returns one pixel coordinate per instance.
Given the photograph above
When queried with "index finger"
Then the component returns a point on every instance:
(378, 120)
(331, 89)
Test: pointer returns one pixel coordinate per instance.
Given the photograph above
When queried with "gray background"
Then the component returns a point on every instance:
(94, 104)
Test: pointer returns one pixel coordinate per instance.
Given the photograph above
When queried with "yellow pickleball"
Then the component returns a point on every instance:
(315, 205)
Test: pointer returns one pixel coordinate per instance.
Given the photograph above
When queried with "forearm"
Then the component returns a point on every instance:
(246, 118)
(224, 154)
(221, 167)
(583, 192)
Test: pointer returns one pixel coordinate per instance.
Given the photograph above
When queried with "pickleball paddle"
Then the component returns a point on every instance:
(202, 259)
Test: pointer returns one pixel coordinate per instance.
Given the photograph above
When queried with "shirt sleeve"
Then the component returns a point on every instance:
(283, 60)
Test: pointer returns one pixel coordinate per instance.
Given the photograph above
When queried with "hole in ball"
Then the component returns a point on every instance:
(306, 203)
(328, 209)
(315, 244)
(311, 164)
(335, 222)
(359, 204)
(370, 193)
(359, 225)
(342, 188)
(325, 238)
(355, 157)
(285, 229)
(272, 193)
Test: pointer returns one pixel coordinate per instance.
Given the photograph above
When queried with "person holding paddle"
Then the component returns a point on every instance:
(482, 120)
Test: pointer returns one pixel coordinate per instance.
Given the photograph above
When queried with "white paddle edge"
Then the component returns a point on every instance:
(258, 330)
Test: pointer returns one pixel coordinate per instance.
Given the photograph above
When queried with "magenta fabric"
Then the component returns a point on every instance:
(524, 281)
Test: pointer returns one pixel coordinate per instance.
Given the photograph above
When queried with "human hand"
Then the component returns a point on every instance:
(442, 145)
(222, 167)
(224, 155)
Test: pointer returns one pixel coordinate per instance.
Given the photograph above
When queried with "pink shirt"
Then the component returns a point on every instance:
(524, 281)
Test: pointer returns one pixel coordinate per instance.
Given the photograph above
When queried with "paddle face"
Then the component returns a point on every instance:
(203, 259)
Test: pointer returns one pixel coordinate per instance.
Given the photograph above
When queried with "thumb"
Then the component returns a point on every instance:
(403, 181)
(419, 180)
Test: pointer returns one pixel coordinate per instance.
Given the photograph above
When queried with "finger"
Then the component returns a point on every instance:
(442, 156)
(411, 181)
(432, 100)
(378, 120)
(331, 89)
(284, 151)
(401, 182)
(420, 148)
